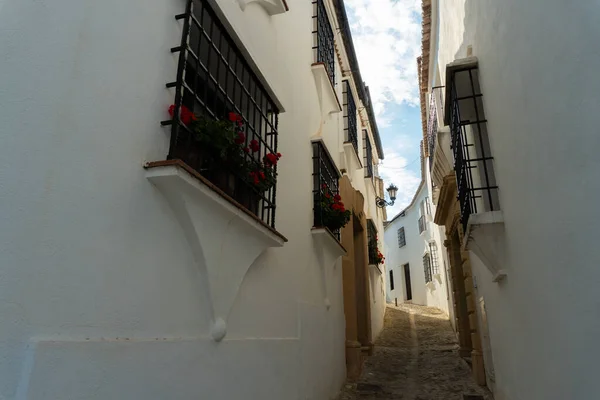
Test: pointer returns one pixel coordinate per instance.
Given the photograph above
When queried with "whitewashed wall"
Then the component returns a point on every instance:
(99, 294)
(538, 61)
(435, 294)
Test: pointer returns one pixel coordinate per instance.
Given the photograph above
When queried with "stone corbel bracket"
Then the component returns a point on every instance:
(272, 7)
(485, 238)
(328, 252)
(225, 239)
(328, 100)
(350, 159)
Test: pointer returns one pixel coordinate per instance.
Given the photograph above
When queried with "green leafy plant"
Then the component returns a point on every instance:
(333, 212)
(224, 143)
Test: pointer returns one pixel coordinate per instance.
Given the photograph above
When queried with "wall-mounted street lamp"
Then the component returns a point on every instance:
(392, 191)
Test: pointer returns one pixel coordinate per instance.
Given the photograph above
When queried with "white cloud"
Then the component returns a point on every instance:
(387, 39)
(394, 170)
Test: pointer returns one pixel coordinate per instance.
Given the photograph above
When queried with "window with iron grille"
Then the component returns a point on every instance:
(323, 39)
(434, 258)
(368, 154)
(422, 224)
(475, 179)
(350, 129)
(427, 268)
(213, 79)
(432, 127)
(372, 241)
(391, 280)
(325, 180)
(401, 237)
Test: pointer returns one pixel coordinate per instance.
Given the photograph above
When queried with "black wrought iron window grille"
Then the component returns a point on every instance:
(368, 155)
(391, 279)
(427, 268)
(473, 162)
(213, 79)
(325, 180)
(435, 269)
(432, 128)
(323, 39)
(422, 224)
(401, 238)
(372, 241)
(350, 117)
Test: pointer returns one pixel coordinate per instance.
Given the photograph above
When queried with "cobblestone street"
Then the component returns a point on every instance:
(415, 358)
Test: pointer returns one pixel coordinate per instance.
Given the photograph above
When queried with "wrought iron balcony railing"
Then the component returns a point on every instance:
(368, 155)
(372, 241)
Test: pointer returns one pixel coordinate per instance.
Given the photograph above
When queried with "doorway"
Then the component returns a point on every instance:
(407, 282)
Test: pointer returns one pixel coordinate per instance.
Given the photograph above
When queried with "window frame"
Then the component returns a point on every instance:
(323, 39)
(325, 173)
(401, 237)
(372, 245)
(367, 154)
(433, 254)
(391, 279)
(471, 150)
(350, 124)
(427, 268)
(212, 81)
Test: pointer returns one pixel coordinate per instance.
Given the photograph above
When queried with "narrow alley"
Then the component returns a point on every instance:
(415, 358)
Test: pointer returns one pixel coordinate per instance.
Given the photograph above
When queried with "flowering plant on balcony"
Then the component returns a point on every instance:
(223, 144)
(379, 258)
(333, 212)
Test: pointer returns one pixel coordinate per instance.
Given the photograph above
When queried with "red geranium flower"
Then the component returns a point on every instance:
(337, 197)
(254, 146)
(233, 117)
(241, 138)
(271, 159)
(324, 186)
(246, 150)
(278, 155)
(186, 115)
(327, 195)
(262, 175)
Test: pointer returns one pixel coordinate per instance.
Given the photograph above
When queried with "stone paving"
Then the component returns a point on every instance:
(415, 358)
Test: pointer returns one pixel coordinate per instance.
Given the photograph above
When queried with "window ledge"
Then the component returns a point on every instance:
(376, 267)
(438, 277)
(351, 160)
(225, 238)
(329, 250)
(328, 99)
(272, 7)
(485, 238)
(430, 285)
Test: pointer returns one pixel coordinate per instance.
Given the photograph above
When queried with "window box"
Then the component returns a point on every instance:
(224, 236)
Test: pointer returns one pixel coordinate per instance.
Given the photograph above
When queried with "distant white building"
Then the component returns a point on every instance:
(140, 259)
(416, 264)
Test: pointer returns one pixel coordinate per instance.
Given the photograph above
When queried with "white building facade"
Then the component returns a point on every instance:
(415, 255)
(515, 142)
(132, 268)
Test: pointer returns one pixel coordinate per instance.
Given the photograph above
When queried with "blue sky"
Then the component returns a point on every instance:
(387, 38)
